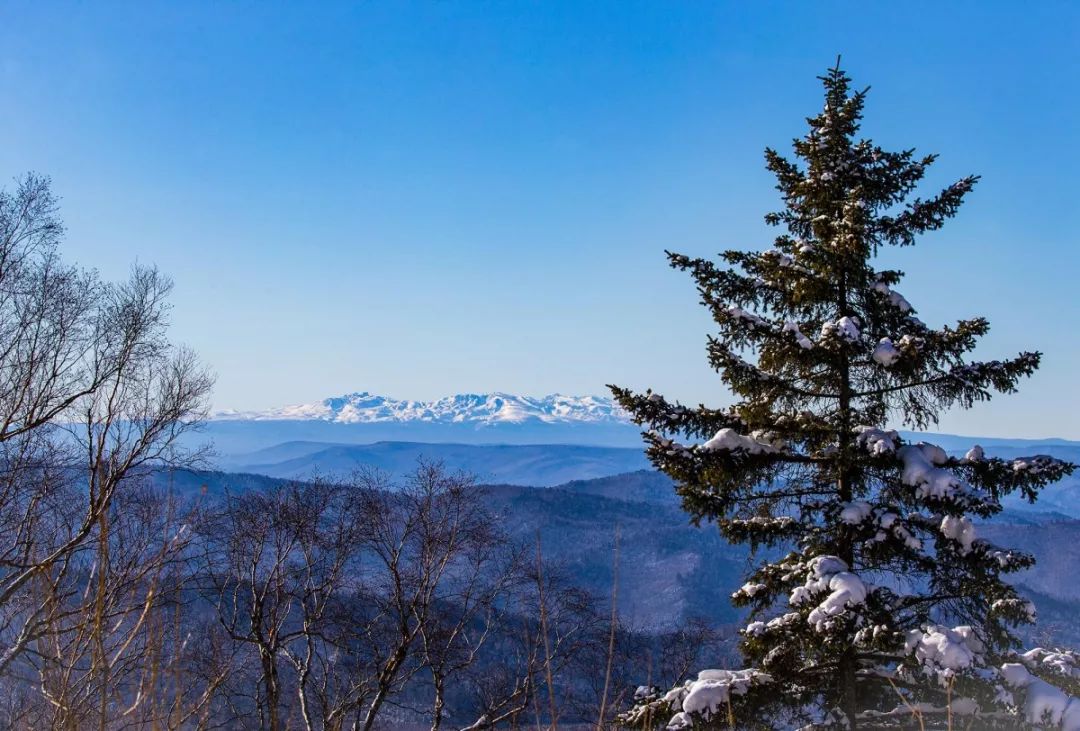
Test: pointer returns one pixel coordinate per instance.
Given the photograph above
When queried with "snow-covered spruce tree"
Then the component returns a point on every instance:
(882, 607)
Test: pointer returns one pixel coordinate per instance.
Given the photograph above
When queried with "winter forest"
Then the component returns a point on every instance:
(144, 587)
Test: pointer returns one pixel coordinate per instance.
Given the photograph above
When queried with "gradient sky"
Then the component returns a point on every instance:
(441, 197)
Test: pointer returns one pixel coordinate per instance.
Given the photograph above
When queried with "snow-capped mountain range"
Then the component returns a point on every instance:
(477, 409)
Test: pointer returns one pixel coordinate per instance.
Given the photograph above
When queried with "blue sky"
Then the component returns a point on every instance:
(431, 198)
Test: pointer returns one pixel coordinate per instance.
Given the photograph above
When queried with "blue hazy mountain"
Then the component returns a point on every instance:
(536, 464)
(507, 438)
(671, 569)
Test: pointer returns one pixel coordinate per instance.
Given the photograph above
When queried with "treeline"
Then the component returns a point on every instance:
(326, 604)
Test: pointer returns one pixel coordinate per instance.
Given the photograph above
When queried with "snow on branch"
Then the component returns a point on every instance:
(1065, 663)
(885, 353)
(660, 415)
(1043, 704)
(697, 701)
(744, 316)
(845, 329)
(894, 298)
(1000, 374)
(729, 440)
(941, 652)
(877, 441)
(923, 471)
(845, 589)
(804, 342)
(1025, 474)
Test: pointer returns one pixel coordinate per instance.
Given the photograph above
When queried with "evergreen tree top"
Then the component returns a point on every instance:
(822, 353)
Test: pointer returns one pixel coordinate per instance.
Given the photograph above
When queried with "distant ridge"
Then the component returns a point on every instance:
(469, 408)
(540, 465)
(489, 419)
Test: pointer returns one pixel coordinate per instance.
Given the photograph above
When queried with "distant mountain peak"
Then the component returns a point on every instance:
(495, 408)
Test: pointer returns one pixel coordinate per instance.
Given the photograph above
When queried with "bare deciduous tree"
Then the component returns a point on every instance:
(345, 591)
(322, 605)
(92, 397)
(553, 638)
(430, 542)
(273, 564)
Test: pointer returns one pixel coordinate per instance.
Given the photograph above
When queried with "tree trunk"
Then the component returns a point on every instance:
(386, 679)
(845, 492)
(270, 682)
(439, 704)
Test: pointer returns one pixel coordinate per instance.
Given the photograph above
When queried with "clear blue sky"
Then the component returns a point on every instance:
(430, 198)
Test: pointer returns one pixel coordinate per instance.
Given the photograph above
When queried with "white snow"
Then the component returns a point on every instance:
(749, 317)
(958, 706)
(889, 523)
(910, 342)
(679, 722)
(803, 341)
(1035, 466)
(846, 328)
(964, 707)
(922, 473)
(855, 512)
(896, 299)
(1005, 559)
(754, 629)
(1062, 662)
(1015, 674)
(959, 529)
(885, 352)
(750, 589)
(709, 695)
(729, 440)
(493, 408)
(760, 521)
(942, 651)
(828, 573)
(782, 259)
(783, 620)
(877, 441)
(1042, 701)
(975, 454)
(934, 453)
(1025, 606)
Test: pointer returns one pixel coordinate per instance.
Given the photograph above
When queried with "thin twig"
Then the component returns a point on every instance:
(611, 634)
(544, 632)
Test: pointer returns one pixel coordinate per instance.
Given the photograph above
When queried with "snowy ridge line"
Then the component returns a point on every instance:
(493, 408)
